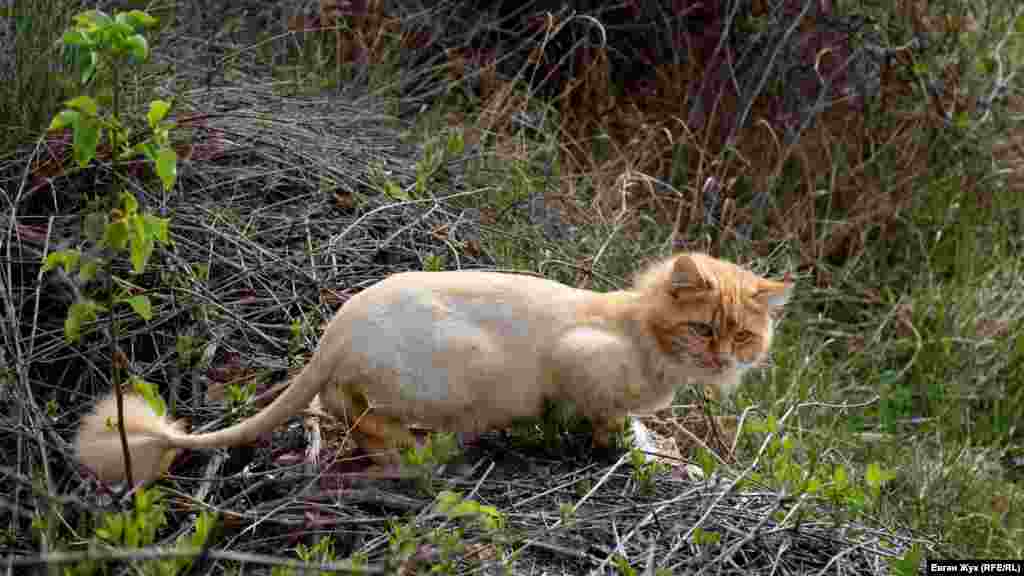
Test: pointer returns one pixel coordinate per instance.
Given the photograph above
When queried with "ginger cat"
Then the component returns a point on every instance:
(470, 351)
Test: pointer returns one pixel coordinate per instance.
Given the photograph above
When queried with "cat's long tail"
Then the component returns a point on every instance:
(154, 440)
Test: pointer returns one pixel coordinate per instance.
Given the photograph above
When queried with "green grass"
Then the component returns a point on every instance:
(28, 103)
(942, 358)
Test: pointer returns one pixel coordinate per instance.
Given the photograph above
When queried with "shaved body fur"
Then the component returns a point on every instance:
(470, 351)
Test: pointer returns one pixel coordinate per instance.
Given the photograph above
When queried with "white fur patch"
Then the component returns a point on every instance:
(642, 437)
(419, 335)
(398, 337)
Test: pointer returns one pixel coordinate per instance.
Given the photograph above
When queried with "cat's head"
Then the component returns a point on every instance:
(710, 317)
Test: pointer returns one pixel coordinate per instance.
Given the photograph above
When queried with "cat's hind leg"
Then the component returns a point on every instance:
(380, 436)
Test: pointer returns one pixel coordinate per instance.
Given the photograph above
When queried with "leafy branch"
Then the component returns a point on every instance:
(99, 41)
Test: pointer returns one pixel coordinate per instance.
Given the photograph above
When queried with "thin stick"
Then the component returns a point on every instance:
(114, 361)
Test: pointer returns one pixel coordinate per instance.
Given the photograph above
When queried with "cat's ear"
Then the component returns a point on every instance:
(774, 295)
(686, 275)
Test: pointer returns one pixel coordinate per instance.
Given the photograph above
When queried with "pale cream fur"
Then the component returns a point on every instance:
(471, 351)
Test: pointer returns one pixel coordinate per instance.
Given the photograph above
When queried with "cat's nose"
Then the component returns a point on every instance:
(719, 362)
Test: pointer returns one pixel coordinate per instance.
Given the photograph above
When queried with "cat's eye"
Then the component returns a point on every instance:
(702, 329)
(744, 336)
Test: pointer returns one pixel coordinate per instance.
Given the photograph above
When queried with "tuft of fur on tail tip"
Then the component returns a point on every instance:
(98, 445)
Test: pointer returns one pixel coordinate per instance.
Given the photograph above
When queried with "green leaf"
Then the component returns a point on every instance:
(456, 144)
(119, 32)
(89, 67)
(83, 104)
(162, 134)
(101, 19)
(137, 19)
(117, 235)
(446, 500)
(129, 203)
(141, 245)
(66, 258)
(421, 184)
(157, 111)
(755, 425)
(91, 19)
(137, 47)
(985, 66)
(636, 458)
(701, 536)
(395, 191)
(75, 38)
(140, 253)
(839, 478)
(167, 167)
(52, 259)
(873, 475)
(147, 149)
(113, 528)
(64, 119)
(132, 535)
(39, 523)
(907, 565)
(184, 347)
(204, 527)
(150, 394)
(813, 485)
(856, 498)
(464, 508)
(141, 305)
(86, 137)
(89, 270)
(78, 314)
(706, 461)
(876, 476)
(623, 567)
(1018, 24)
(962, 120)
(156, 228)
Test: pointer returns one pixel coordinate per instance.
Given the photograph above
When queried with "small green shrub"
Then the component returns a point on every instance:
(137, 528)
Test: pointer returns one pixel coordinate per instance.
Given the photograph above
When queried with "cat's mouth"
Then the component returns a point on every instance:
(712, 365)
(714, 369)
